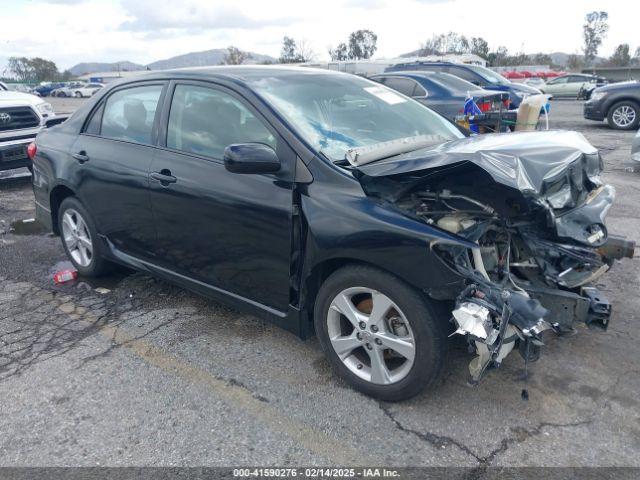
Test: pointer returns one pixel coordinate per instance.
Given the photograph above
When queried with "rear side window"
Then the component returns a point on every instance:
(129, 114)
(403, 85)
(205, 121)
(467, 75)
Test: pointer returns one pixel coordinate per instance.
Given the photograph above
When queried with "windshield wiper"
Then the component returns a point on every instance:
(372, 153)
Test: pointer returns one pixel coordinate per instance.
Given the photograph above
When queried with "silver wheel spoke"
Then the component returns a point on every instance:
(85, 242)
(343, 304)
(345, 345)
(67, 221)
(381, 306)
(402, 346)
(379, 371)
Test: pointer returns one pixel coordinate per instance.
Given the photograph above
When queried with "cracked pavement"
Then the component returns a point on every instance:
(149, 374)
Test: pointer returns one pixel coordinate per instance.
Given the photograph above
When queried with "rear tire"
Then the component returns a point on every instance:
(624, 115)
(80, 239)
(356, 348)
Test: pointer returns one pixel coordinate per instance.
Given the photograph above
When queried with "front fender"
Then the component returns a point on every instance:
(350, 225)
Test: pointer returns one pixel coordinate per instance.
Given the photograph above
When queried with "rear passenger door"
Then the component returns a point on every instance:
(112, 159)
(228, 230)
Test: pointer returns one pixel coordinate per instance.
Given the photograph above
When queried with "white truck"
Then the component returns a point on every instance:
(22, 116)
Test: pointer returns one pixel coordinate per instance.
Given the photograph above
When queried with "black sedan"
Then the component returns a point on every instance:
(443, 92)
(328, 203)
(618, 103)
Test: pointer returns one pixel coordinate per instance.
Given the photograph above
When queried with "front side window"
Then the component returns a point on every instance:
(205, 121)
(129, 114)
(337, 112)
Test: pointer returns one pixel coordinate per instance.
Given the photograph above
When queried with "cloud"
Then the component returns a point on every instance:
(151, 15)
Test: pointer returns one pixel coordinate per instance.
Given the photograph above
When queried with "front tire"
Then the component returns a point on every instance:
(78, 95)
(624, 115)
(378, 333)
(80, 238)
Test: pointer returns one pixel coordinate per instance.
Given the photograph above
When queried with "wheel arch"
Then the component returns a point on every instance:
(322, 270)
(627, 98)
(56, 197)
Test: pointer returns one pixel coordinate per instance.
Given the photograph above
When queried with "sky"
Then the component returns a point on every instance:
(142, 31)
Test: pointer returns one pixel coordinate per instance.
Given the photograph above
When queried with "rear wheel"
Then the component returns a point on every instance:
(78, 95)
(624, 115)
(80, 238)
(378, 333)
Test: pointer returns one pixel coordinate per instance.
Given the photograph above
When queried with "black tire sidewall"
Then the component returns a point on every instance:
(97, 266)
(428, 333)
(631, 104)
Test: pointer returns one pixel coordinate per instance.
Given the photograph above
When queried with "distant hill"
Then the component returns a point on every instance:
(203, 59)
(90, 67)
(193, 59)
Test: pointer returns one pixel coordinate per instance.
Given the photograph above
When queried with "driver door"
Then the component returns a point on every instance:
(228, 230)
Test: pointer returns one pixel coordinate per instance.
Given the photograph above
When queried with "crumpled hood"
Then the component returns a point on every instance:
(524, 160)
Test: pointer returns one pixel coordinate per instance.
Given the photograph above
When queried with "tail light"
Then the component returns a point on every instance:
(484, 106)
(32, 150)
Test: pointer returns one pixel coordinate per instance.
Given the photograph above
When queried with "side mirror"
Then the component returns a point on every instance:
(57, 120)
(251, 158)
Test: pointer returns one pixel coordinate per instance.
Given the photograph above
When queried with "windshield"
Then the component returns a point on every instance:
(338, 112)
(489, 75)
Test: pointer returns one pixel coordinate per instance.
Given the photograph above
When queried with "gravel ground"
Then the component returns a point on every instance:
(149, 374)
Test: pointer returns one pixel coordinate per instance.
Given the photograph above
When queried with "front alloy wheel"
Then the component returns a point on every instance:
(379, 334)
(624, 116)
(371, 335)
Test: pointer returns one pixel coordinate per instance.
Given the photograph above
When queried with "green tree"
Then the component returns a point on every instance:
(235, 56)
(362, 44)
(340, 53)
(498, 57)
(33, 69)
(295, 51)
(289, 53)
(594, 30)
(480, 47)
(621, 56)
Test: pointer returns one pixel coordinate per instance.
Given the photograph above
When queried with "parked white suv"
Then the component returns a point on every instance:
(22, 116)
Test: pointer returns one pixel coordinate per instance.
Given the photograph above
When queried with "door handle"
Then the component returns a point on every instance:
(81, 156)
(164, 177)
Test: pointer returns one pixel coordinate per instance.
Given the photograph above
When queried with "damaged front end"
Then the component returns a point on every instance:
(535, 207)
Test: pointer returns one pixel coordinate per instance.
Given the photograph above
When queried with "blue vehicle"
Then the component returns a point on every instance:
(45, 90)
(442, 92)
(476, 74)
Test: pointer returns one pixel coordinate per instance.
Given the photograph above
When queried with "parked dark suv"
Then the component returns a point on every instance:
(325, 202)
(476, 74)
(618, 103)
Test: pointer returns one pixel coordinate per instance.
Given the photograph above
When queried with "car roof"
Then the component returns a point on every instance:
(411, 74)
(237, 73)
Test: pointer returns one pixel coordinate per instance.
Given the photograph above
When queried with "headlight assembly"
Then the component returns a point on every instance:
(45, 108)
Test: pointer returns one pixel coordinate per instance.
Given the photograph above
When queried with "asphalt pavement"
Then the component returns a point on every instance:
(146, 373)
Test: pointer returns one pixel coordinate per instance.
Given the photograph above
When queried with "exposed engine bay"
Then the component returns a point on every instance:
(536, 214)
